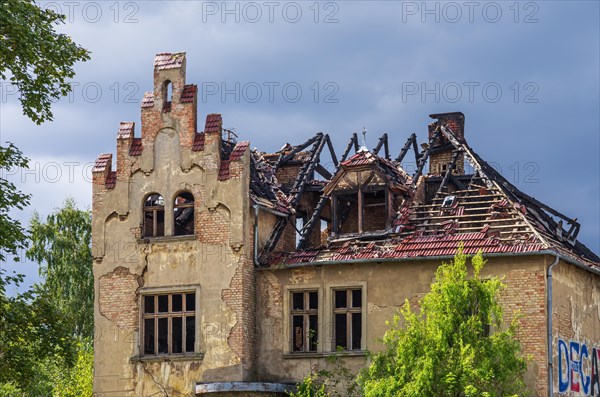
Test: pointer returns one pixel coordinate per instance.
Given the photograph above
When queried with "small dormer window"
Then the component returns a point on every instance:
(448, 201)
(364, 211)
(154, 216)
(167, 93)
(183, 214)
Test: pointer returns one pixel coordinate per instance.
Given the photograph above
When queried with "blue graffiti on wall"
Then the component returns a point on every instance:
(578, 368)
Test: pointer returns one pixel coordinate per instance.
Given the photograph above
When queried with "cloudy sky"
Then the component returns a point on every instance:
(525, 74)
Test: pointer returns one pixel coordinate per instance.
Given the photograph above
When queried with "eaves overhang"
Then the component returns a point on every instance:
(553, 253)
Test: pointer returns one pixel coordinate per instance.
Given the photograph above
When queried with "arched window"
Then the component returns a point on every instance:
(154, 216)
(167, 93)
(183, 214)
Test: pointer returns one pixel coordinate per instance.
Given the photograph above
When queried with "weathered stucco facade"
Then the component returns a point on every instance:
(211, 263)
(204, 287)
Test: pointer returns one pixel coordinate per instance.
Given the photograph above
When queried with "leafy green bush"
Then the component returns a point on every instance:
(310, 387)
(455, 344)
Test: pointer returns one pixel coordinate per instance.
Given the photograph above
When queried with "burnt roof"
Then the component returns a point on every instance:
(485, 211)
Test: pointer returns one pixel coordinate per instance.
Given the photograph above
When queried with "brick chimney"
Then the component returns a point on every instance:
(442, 151)
(454, 120)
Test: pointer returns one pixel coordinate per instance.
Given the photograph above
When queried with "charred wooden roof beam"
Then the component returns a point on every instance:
(383, 142)
(412, 140)
(423, 158)
(308, 227)
(451, 166)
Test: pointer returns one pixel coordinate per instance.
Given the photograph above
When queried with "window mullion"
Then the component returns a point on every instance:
(155, 334)
(306, 332)
(169, 324)
(306, 321)
(348, 330)
(154, 223)
(183, 332)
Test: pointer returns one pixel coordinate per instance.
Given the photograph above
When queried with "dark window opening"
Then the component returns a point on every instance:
(304, 321)
(345, 213)
(347, 319)
(183, 214)
(367, 210)
(154, 216)
(167, 95)
(172, 328)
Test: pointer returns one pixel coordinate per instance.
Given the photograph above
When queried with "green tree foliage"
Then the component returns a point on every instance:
(45, 332)
(32, 333)
(78, 380)
(37, 336)
(34, 57)
(335, 380)
(12, 235)
(62, 247)
(454, 346)
(37, 60)
(310, 386)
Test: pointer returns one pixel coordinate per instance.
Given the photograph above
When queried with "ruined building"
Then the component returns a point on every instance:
(222, 270)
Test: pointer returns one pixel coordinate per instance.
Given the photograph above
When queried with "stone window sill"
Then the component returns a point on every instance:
(349, 353)
(166, 358)
(166, 239)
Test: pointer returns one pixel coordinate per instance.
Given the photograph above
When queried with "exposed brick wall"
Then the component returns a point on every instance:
(185, 114)
(564, 324)
(213, 228)
(123, 159)
(455, 121)
(526, 295)
(153, 121)
(287, 241)
(236, 170)
(241, 298)
(288, 174)
(136, 232)
(98, 193)
(117, 297)
(350, 225)
(438, 160)
(374, 218)
(151, 124)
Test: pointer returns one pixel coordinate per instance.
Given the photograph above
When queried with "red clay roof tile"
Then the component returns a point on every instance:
(111, 180)
(148, 100)
(189, 93)
(167, 60)
(126, 130)
(102, 162)
(136, 147)
(213, 123)
(239, 150)
(198, 142)
(223, 170)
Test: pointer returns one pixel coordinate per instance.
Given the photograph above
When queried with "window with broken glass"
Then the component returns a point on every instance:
(154, 216)
(183, 214)
(304, 320)
(347, 319)
(169, 323)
